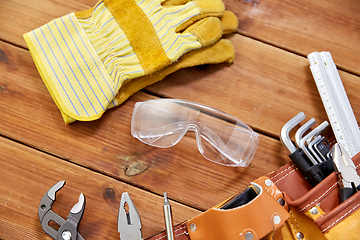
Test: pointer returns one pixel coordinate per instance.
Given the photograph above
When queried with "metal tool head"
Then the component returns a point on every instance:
(318, 130)
(68, 228)
(48, 199)
(344, 165)
(311, 148)
(303, 129)
(285, 130)
(129, 223)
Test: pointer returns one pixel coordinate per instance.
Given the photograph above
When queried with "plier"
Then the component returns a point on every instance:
(129, 223)
(349, 180)
(69, 228)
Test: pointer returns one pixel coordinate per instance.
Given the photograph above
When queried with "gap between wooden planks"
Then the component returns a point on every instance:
(26, 174)
(30, 116)
(298, 26)
(265, 86)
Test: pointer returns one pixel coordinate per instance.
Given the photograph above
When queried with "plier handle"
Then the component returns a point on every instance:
(349, 180)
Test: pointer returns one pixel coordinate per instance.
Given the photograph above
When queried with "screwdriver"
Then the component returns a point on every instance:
(168, 219)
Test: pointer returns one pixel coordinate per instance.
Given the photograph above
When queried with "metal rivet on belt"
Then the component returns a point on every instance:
(268, 182)
(192, 227)
(300, 235)
(249, 236)
(281, 201)
(276, 219)
(314, 210)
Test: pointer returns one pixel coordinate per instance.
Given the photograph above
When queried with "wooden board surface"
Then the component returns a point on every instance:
(268, 83)
(271, 86)
(300, 27)
(107, 146)
(304, 26)
(26, 175)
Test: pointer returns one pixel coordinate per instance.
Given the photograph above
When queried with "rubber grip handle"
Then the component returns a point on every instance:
(346, 193)
(243, 198)
(300, 160)
(309, 171)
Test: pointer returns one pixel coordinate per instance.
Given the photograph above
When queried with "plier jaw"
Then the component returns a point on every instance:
(349, 180)
(69, 228)
(129, 223)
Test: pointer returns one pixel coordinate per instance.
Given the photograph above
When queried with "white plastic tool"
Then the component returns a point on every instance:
(335, 100)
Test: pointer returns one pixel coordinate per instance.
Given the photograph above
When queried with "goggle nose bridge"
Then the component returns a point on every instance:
(195, 128)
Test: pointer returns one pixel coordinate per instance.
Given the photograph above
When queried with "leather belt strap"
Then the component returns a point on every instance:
(257, 218)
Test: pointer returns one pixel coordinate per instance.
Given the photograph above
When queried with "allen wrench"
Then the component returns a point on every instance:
(318, 130)
(300, 132)
(312, 171)
(285, 131)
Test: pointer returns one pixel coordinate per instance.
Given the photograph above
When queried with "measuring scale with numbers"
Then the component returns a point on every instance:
(336, 102)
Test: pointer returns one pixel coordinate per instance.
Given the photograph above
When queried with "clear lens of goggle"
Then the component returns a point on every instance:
(220, 137)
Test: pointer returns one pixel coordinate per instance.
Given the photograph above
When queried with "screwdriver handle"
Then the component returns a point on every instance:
(346, 193)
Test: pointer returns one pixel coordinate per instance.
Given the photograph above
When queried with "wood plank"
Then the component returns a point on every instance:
(26, 174)
(304, 26)
(249, 65)
(29, 115)
(265, 86)
(301, 27)
(18, 17)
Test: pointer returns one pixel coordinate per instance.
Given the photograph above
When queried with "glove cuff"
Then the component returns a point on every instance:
(84, 58)
(71, 69)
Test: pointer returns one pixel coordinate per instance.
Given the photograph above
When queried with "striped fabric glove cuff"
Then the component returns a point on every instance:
(85, 57)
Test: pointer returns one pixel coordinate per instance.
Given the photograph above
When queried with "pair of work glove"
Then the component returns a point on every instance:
(93, 60)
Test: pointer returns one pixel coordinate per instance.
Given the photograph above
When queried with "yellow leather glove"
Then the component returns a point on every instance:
(229, 21)
(221, 51)
(84, 58)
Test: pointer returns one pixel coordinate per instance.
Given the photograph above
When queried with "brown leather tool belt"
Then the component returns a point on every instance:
(281, 205)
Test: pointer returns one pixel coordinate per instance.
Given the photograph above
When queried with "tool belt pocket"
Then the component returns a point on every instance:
(240, 218)
(316, 213)
(279, 206)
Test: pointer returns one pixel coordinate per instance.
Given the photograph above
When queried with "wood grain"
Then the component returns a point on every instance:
(268, 84)
(301, 27)
(264, 87)
(26, 174)
(304, 26)
(261, 71)
(18, 17)
(107, 146)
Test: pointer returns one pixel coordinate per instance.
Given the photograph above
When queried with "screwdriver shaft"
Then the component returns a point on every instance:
(168, 219)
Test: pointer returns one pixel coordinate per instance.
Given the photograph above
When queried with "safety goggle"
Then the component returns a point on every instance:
(220, 137)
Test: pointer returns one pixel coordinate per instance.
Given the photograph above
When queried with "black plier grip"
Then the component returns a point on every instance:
(349, 180)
